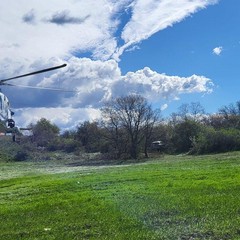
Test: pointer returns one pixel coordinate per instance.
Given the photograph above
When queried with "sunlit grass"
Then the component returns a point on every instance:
(178, 197)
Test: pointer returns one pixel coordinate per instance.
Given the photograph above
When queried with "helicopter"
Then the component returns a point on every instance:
(7, 124)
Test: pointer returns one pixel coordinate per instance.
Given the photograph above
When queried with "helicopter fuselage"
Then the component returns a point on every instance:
(5, 111)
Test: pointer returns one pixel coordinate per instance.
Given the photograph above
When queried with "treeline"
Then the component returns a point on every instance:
(129, 126)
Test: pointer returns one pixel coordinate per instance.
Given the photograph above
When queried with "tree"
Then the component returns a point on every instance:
(129, 121)
(114, 133)
(184, 134)
(194, 111)
(217, 121)
(88, 133)
(151, 117)
(231, 115)
(212, 140)
(44, 132)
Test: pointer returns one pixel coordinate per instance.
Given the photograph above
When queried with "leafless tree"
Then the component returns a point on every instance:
(130, 122)
(231, 114)
(193, 111)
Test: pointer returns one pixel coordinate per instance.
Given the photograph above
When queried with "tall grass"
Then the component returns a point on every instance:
(178, 197)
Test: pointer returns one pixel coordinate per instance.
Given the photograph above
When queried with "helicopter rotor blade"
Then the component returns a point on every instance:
(33, 73)
(43, 88)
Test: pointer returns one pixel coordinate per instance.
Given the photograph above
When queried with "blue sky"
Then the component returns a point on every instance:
(172, 52)
(187, 48)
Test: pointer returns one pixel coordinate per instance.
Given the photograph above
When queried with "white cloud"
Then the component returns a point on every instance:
(97, 82)
(35, 35)
(217, 51)
(59, 29)
(164, 106)
(151, 16)
(64, 118)
(157, 87)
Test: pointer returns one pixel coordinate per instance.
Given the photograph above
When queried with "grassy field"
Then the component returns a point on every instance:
(175, 197)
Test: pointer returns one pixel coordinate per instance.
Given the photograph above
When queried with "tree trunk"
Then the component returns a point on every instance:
(145, 150)
(133, 151)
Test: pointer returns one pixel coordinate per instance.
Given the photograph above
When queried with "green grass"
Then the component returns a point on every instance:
(178, 197)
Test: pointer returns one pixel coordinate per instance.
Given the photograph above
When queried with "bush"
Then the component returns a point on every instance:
(63, 144)
(183, 133)
(216, 141)
(20, 156)
(70, 145)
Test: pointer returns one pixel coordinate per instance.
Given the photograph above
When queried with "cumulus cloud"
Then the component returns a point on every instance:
(102, 30)
(217, 51)
(64, 118)
(97, 82)
(156, 86)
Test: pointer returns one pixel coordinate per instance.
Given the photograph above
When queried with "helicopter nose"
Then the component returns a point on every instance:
(11, 123)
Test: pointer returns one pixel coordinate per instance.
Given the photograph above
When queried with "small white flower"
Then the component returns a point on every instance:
(47, 229)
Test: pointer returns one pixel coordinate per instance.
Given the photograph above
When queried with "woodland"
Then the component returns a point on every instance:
(128, 127)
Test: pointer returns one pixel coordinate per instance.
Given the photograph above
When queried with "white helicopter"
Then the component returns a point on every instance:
(7, 124)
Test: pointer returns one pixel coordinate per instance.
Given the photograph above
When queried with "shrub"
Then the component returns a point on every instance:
(183, 133)
(70, 145)
(216, 141)
(20, 156)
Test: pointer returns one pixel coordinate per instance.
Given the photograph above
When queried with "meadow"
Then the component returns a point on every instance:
(172, 197)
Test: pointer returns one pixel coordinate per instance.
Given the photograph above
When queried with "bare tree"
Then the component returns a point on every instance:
(130, 119)
(194, 111)
(114, 131)
(231, 114)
